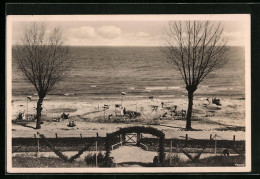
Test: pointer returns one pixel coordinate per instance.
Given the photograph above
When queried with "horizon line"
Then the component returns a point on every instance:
(126, 45)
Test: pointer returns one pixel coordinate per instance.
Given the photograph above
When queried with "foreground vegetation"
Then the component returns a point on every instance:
(51, 162)
(215, 161)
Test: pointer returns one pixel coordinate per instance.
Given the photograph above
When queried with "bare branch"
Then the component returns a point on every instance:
(196, 48)
(42, 57)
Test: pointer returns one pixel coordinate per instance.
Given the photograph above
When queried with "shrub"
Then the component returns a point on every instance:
(89, 159)
(222, 160)
(107, 162)
(102, 160)
(175, 160)
(100, 157)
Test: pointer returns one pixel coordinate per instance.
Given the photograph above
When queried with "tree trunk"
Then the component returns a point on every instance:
(39, 112)
(189, 113)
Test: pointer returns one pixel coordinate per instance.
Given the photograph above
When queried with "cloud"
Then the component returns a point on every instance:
(109, 32)
(137, 36)
(83, 32)
(109, 35)
(143, 35)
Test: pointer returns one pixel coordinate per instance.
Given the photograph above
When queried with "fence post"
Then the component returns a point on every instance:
(234, 138)
(104, 114)
(177, 148)
(121, 140)
(186, 141)
(123, 137)
(96, 151)
(56, 135)
(171, 154)
(215, 144)
(96, 155)
(138, 137)
(210, 137)
(81, 139)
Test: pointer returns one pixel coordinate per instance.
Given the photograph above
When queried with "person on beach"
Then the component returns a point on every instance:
(162, 103)
(109, 116)
(71, 124)
(20, 116)
(123, 111)
(64, 116)
(183, 113)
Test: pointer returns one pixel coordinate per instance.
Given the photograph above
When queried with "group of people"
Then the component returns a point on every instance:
(214, 101)
(66, 116)
(173, 111)
(71, 124)
(21, 116)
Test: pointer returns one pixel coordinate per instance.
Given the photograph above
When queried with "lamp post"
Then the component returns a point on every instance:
(105, 107)
(29, 98)
(122, 94)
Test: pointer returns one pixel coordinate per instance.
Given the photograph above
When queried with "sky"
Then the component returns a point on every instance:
(121, 32)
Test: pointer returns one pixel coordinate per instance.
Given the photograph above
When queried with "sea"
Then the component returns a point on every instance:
(137, 71)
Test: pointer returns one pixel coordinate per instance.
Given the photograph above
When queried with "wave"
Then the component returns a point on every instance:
(136, 70)
(162, 88)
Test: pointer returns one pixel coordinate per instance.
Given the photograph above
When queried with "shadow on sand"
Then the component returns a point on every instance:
(25, 125)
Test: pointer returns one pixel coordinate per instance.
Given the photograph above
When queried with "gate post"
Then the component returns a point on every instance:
(123, 137)
(138, 137)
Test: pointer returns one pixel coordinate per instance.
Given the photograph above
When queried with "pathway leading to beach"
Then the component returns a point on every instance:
(132, 156)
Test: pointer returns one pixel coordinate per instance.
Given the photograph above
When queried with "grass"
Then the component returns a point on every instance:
(220, 161)
(215, 161)
(23, 161)
(44, 162)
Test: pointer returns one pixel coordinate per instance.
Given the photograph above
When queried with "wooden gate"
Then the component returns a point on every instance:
(134, 135)
(131, 138)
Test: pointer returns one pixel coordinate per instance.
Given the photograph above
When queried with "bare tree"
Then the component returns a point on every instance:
(196, 48)
(43, 59)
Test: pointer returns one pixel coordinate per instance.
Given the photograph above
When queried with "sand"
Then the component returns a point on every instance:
(90, 118)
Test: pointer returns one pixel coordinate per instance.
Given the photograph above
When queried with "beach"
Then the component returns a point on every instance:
(90, 118)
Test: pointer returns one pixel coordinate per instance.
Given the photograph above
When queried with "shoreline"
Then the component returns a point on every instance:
(80, 97)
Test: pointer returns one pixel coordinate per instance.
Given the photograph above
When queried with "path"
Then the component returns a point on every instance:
(132, 156)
